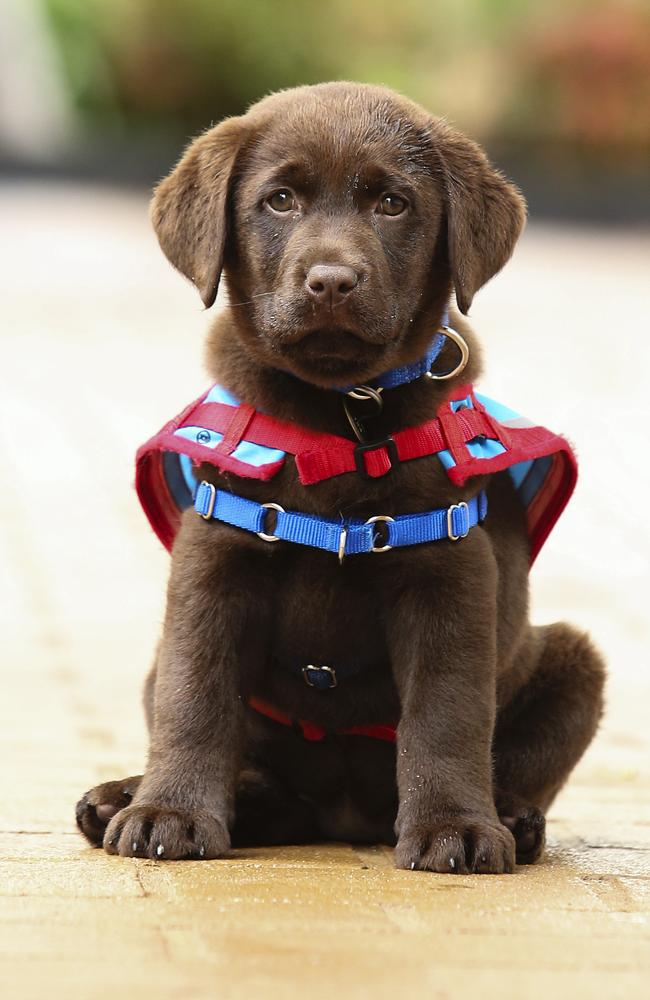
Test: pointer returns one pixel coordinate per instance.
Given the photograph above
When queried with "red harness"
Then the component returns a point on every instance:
(313, 733)
(472, 435)
(453, 433)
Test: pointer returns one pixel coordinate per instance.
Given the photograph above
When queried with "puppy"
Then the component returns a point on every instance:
(400, 696)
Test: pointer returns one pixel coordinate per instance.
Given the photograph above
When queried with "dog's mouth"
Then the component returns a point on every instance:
(331, 356)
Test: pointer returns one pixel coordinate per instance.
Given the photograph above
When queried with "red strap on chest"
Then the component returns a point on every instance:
(322, 456)
(314, 733)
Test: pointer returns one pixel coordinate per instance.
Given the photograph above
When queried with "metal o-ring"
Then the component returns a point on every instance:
(262, 534)
(373, 520)
(461, 344)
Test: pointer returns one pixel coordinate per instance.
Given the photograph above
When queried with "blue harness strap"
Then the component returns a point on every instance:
(345, 537)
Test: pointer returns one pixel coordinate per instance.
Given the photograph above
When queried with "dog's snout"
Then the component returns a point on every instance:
(330, 284)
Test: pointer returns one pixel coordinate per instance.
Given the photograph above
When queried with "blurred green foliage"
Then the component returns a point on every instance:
(572, 74)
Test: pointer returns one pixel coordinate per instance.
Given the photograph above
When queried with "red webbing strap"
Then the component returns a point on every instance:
(265, 430)
(387, 733)
(314, 733)
(320, 455)
(235, 430)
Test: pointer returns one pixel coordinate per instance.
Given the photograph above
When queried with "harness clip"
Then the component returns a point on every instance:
(360, 450)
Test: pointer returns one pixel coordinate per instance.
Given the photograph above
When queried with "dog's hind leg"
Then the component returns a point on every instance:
(543, 731)
(267, 813)
(98, 806)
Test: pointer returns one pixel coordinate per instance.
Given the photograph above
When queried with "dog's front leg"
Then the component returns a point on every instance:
(213, 638)
(443, 647)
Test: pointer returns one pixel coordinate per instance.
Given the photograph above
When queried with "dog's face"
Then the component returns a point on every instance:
(342, 215)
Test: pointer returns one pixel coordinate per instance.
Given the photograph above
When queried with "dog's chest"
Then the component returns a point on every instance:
(327, 614)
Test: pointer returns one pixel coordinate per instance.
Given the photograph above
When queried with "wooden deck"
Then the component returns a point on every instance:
(100, 342)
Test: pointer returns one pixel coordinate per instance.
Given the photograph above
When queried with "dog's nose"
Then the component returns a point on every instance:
(330, 284)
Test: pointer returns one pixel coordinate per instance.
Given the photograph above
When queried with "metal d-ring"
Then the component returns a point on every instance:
(262, 534)
(373, 520)
(461, 344)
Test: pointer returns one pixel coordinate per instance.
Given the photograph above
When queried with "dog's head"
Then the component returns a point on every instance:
(342, 215)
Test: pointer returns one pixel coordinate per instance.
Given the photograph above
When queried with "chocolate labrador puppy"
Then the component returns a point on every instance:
(343, 216)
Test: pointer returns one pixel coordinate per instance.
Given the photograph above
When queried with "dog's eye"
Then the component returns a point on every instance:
(282, 200)
(392, 204)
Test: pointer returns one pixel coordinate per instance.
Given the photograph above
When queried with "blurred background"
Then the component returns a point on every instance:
(558, 91)
(100, 344)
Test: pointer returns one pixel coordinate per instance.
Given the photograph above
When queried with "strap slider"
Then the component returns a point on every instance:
(210, 491)
(360, 450)
(463, 532)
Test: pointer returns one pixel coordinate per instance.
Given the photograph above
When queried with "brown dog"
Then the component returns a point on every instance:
(342, 216)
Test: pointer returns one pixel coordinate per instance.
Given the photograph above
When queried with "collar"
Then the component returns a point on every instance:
(409, 373)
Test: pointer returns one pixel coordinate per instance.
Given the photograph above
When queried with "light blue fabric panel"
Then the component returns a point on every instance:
(199, 435)
(534, 481)
(519, 472)
(246, 451)
(218, 394)
(257, 454)
(188, 475)
(446, 459)
(497, 410)
(485, 449)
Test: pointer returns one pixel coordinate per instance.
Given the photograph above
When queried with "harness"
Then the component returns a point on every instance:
(471, 435)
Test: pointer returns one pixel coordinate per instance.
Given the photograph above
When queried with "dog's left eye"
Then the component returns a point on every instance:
(391, 204)
(282, 200)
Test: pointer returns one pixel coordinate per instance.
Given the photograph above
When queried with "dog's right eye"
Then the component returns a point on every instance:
(282, 200)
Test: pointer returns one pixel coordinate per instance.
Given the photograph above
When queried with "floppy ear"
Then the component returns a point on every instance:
(485, 213)
(188, 210)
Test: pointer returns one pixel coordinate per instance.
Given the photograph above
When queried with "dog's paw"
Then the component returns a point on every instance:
(97, 807)
(457, 848)
(527, 825)
(165, 834)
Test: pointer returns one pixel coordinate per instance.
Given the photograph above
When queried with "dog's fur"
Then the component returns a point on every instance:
(493, 713)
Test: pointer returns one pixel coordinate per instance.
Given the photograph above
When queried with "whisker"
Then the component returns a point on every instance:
(247, 302)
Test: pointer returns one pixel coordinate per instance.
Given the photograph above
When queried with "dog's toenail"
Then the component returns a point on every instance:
(452, 863)
(160, 850)
(134, 845)
(412, 866)
(127, 794)
(201, 851)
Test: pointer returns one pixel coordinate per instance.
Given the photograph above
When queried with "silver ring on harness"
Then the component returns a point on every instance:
(373, 520)
(364, 392)
(461, 344)
(262, 534)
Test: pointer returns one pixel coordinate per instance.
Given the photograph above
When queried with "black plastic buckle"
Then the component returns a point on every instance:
(360, 450)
